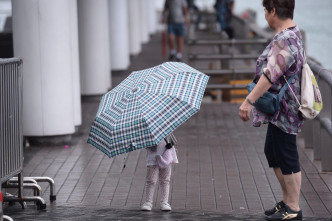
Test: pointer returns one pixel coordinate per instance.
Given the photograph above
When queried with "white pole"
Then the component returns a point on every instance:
(152, 16)
(95, 61)
(75, 63)
(144, 22)
(119, 34)
(134, 27)
(41, 32)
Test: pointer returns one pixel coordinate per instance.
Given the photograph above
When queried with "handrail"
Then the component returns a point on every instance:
(228, 71)
(318, 133)
(228, 41)
(326, 123)
(222, 56)
(321, 72)
(10, 60)
(226, 86)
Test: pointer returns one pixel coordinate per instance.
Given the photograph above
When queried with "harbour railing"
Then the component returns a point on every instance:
(229, 62)
(317, 133)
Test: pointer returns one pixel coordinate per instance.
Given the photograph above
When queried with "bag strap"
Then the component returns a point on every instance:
(292, 91)
(284, 88)
(304, 62)
(168, 145)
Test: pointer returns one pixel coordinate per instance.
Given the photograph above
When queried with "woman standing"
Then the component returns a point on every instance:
(281, 59)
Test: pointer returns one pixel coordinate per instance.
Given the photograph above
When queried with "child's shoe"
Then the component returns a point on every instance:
(146, 206)
(165, 206)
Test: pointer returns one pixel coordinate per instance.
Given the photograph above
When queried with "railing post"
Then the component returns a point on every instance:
(308, 134)
(322, 139)
(326, 116)
(224, 64)
(316, 129)
(326, 141)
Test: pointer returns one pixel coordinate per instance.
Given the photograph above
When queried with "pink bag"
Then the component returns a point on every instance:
(166, 158)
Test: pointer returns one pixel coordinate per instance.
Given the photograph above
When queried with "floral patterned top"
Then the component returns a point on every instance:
(282, 57)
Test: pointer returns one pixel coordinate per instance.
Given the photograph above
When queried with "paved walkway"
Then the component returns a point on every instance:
(222, 174)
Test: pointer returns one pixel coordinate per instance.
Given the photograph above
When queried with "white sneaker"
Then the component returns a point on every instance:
(165, 207)
(146, 206)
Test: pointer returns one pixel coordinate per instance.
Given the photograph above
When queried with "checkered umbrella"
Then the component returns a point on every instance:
(146, 107)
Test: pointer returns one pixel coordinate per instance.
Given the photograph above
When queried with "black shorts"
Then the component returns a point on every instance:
(281, 150)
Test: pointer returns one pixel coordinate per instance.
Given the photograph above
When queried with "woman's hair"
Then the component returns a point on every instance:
(284, 8)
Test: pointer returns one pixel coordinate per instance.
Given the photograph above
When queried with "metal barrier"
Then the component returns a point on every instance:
(11, 137)
(10, 115)
(318, 132)
(35, 180)
(228, 41)
(11, 149)
(230, 91)
(225, 51)
(222, 56)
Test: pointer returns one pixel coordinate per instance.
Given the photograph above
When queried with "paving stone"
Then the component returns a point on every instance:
(222, 170)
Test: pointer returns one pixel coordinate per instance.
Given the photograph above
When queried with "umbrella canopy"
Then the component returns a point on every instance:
(146, 107)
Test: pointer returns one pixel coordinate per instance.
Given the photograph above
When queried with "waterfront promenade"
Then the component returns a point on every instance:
(222, 174)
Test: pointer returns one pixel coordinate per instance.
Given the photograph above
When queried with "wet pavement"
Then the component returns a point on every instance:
(71, 213)
(222, 174)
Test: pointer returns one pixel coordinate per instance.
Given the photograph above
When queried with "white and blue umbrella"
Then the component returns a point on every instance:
(146, 107)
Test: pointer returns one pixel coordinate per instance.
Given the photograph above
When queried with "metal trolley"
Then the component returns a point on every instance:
(11, 139)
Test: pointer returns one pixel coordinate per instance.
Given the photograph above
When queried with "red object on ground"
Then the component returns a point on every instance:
(1, 197)
(245, 15)
(163, 44)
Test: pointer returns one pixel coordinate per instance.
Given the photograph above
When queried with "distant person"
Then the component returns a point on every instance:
(158, 161)
(177, 16)
(225, 10)
(282, 59)
(191, 5)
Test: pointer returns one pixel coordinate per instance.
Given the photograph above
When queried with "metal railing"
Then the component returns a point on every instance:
(318, 133)
(224, 56)
(234, 73)
(11, 139)
(227, 41)
(10, 115)
(226, 51)
(11, 147)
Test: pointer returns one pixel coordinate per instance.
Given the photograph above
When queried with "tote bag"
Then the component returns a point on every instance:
(311, 99)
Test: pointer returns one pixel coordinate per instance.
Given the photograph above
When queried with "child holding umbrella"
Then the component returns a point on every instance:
(158, 161)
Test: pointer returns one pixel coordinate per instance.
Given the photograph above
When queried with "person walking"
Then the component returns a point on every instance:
(158, 161)
(225, 10)
(177, 17)
(281, 59)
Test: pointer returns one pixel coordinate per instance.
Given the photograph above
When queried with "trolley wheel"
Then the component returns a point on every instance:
(52, 198)
(41, 206)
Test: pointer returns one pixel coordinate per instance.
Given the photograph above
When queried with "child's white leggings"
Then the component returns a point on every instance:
(151, 180)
